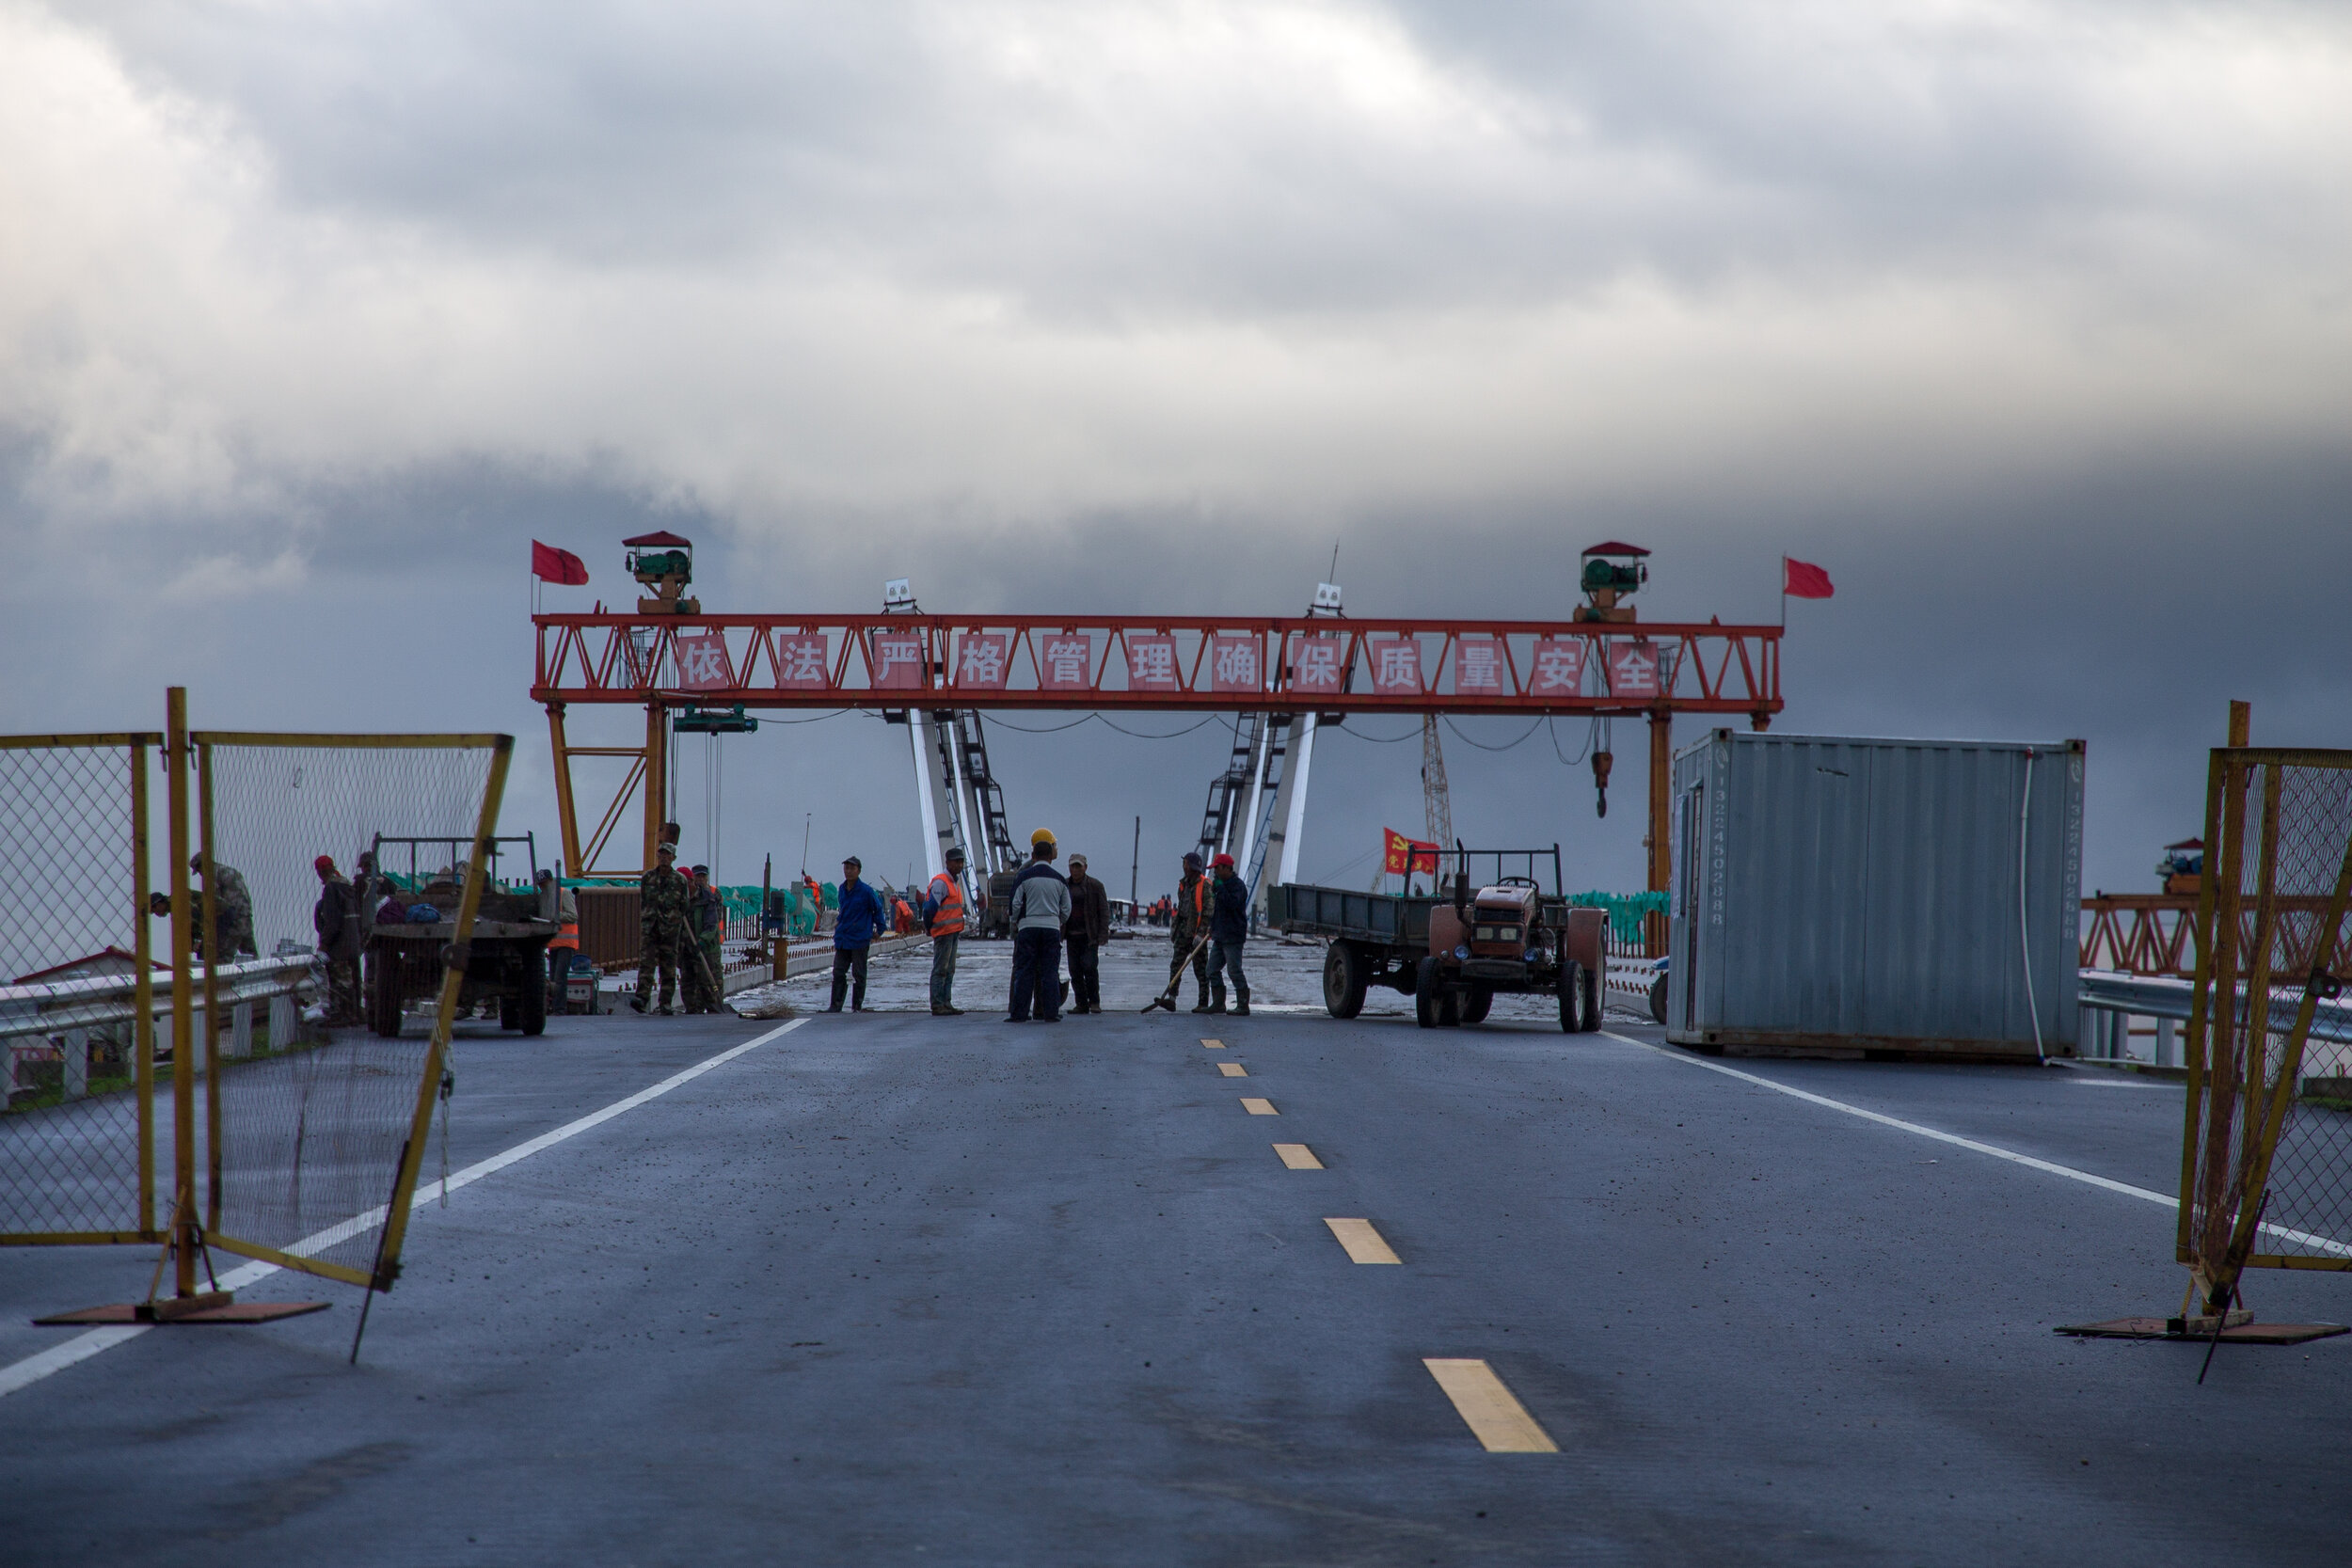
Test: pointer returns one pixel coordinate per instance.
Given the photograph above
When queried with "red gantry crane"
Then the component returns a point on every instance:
(707, 671)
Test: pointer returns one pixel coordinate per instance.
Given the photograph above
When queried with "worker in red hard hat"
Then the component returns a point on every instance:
(1229, 929)
(335, 918)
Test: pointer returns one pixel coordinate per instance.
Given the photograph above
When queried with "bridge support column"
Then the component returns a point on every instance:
(919, 730)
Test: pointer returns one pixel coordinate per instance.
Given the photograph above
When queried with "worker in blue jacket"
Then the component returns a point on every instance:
(858, 919)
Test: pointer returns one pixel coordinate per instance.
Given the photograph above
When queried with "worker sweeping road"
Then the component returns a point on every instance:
(1187, 923)
(943, 917)
(1229, 925)
(1040, 907)
(700, 956)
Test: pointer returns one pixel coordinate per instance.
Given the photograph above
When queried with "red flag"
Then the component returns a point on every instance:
(1802, 580)
(557, 565)
(1404, 856)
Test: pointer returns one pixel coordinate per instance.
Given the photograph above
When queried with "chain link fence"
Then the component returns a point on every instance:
(2267, 1148)
(77, 1048)
(310, 1132)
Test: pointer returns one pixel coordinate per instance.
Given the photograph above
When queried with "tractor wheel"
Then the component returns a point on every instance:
(1425, 989)
(1573, 994)
(534, 1008)
(1476, 1004)
(1593, 997)
(1658, 999)
(1344, 980)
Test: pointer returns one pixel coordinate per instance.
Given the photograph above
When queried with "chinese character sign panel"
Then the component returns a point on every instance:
(1557, 669)
(981, 658)
(898, 661)
(1065, 660)
(1396, 667)
(702, 661)
(1632, 669)
(801, 661)
(1315, 664)
(1233, 665)
(1478, 668)
(1152, 664)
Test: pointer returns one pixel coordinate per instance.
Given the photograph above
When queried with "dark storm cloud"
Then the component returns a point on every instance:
(2027, 321)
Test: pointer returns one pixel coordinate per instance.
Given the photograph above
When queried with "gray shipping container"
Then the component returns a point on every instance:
(1850, 896)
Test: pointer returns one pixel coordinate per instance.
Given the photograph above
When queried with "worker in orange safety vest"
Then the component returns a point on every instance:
(943, 917)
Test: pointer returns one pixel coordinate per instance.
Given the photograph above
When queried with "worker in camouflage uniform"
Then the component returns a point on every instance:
(1187, 923)
(232, 905)
(701, 963)
(661, 925)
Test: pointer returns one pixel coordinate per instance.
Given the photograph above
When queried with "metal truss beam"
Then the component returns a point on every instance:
(1148, 664)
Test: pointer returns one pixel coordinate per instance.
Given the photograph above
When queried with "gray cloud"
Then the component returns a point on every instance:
(2029, 322)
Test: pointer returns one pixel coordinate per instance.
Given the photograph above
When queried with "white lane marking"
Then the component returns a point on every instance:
(2304, 1238)
(83, 1346)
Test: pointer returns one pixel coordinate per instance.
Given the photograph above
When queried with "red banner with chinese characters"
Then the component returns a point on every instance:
(896, 659)
(1406, 856)
(800, 660)
(702, 661)
(983, 660)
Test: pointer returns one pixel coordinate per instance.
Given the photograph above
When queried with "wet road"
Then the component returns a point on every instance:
(892, 1289)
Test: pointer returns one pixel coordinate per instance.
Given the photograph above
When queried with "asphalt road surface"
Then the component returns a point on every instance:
(891, 1289)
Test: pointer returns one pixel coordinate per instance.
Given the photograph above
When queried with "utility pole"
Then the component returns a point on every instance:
(1135, 869)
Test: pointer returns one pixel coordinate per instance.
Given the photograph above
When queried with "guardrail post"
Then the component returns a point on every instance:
(75, 1070)
(241, 1030)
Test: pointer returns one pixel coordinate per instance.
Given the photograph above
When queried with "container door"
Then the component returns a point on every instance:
(1688, 914)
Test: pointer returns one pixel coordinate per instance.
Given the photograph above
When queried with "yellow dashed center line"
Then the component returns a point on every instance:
(1258, 1107)
(1233, 1070)
(1298, 1156)
(1363, 1244)
(1497, 1420)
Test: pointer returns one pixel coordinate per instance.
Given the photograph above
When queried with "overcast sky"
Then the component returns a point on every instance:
(2032, 322)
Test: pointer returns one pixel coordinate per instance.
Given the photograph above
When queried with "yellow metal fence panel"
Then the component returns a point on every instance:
(2267, 1146)
(318, 1133)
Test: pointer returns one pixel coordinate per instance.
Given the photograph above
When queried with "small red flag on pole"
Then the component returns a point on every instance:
(556, 566)
(1802, 580)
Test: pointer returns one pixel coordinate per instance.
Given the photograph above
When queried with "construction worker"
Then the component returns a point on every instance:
(232, 909)
(1187, 923)
(857, 920)
(1228, 928)
(1040, 907)
(336, 919)
(558, 903)
(701, 963)
(1084, 933)
(943, 917)
(661, 922)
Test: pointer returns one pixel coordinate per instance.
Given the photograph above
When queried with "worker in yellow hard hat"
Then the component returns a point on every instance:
(1040, 907)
